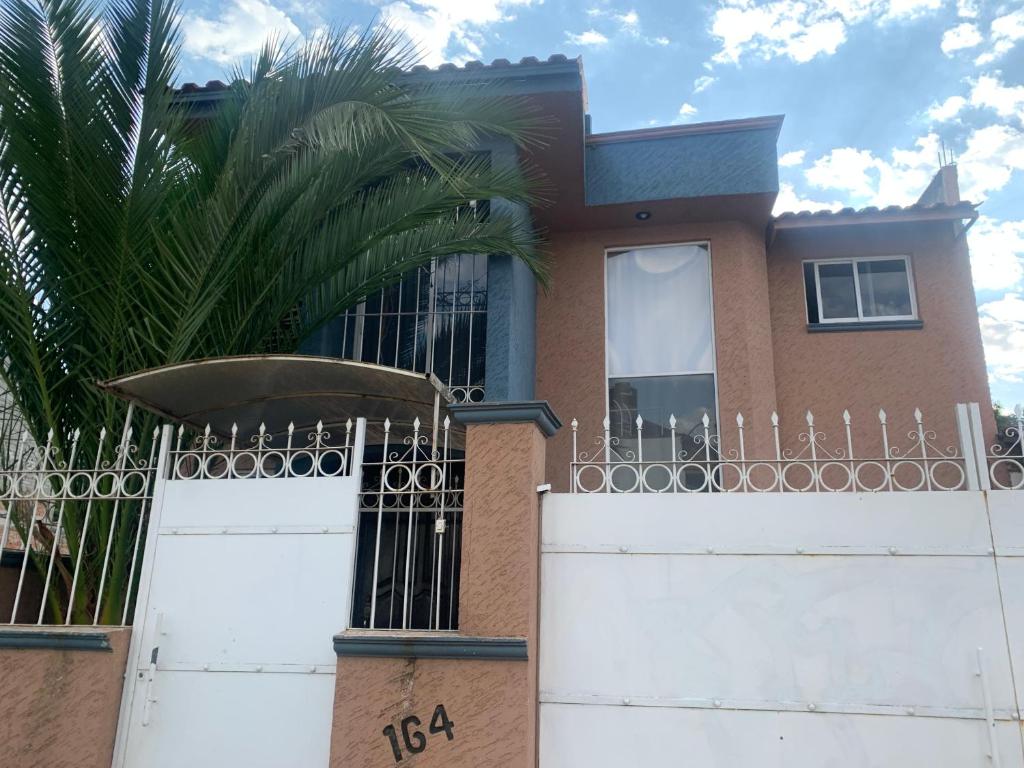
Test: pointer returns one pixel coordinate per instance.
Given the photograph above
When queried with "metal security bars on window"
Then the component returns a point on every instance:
(433, 321)
(1006, 458)
(314, 454)
(697, 461)
(72, 515)
(410, 531)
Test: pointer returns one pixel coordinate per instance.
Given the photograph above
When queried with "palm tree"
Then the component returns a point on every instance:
(133, 234)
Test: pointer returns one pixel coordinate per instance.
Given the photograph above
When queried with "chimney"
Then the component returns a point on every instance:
(943, 188)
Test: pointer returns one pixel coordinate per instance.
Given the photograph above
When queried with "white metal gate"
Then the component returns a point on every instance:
(246, 578)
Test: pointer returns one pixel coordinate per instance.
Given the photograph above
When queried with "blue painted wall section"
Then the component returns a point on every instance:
(697, 165)
(511, 308)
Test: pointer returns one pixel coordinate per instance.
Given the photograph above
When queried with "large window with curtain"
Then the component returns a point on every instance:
(660, 346)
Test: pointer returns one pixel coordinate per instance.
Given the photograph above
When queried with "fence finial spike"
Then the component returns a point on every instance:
(672, 421)
(739, 419)
(49, 434)
(207, 430)
(607, 423)
(639, 421)
(291, 427)
(881, 415)
(810, 418)
(263, 428)
(447, 422)
(348, 424)
(416, 423)
(705, 420)
(775, 418)
(918, 416)
(846, 416)
(77, 432)
(574, 424)
(234, 429)
(181, 431)
(387, 424)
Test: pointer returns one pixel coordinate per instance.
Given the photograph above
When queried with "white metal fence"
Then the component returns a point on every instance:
(71, 520)
(657, 458)
(318, 453)
(410, 531)
(73, 516)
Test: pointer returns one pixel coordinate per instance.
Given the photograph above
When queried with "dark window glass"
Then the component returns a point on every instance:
(838, 293)
(884, 288)
(656, 398)
(811, 291)
(434, 320)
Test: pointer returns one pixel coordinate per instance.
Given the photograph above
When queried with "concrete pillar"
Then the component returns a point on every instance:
(485, 674)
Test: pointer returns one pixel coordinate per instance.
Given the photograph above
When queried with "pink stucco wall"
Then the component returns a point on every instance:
(766, 358)
(59, 707)
(571, 327)
(931, 368)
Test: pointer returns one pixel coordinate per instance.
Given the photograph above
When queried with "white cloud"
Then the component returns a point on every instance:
(625, 24)
(240, 30)
(991, 156)
(854, 171)
(630, 19)
(989, 159)
(702, 83)
(1006, 31)
(967, 9)
(960, 37)
(800, 29)
(796, 157)
(1002, 330)
(997, 253)
(448, 30)
(590, 37)
(789, 201)
(686, 111)
(947, 110)
(1007, 101)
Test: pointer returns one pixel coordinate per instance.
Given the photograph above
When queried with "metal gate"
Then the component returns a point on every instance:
(246, 577)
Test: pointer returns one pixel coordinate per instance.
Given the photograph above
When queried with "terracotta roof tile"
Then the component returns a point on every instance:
(872, 210)
(214, 86)
(963, 209)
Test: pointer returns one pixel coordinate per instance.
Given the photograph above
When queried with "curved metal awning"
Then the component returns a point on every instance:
(276, 390)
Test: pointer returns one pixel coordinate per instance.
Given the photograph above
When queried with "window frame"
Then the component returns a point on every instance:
(613, 250)
(853, 261)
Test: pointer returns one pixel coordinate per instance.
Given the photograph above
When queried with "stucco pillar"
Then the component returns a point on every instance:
(485, 674)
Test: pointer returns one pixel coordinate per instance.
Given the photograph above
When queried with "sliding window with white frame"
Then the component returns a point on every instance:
(867, 289)
(660, 346)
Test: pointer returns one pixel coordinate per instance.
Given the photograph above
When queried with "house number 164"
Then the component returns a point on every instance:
(415, 741)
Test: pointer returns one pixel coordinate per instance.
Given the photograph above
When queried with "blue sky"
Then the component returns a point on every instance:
(870, 90)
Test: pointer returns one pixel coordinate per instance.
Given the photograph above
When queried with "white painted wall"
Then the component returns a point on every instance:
(780, 629)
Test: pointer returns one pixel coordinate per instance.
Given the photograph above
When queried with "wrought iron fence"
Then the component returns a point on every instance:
(410, 530)
(72, 516)
(207, 456)
(697, 461)
(1006, 457)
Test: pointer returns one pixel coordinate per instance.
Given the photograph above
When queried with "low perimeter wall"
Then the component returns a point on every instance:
(782, 630)
(60, 693)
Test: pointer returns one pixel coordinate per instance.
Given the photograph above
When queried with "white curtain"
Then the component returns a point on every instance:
(659, 311)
